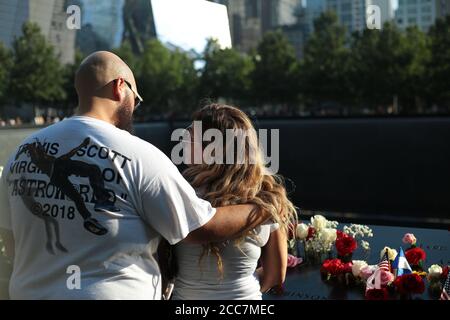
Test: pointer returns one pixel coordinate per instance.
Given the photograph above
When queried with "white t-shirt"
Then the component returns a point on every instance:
(99, 204)
(201, 280)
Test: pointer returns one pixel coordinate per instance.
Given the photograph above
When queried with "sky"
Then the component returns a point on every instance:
(196, 21)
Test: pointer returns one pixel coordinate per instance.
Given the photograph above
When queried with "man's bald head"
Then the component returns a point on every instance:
(106, 89)
(99, 69)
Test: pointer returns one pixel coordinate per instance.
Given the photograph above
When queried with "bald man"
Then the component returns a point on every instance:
(84, 203)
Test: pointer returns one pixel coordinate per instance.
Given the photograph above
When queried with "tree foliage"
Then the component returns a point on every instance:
(36, 76)
(366, 70)
(439, 65)
(275, 76)
(226, 74)
(6, 59)
(325, 66)
(166, 78)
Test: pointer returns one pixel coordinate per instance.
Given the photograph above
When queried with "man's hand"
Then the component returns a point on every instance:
(229, 223)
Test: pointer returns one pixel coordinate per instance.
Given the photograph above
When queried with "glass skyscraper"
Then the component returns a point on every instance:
(105, 18)
(250, 19)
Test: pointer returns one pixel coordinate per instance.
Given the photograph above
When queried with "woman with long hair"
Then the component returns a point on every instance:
(229, 270)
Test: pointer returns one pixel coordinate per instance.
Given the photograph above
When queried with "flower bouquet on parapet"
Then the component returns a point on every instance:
(394, 278)
(337, 272)
(399, 274)
(317, 238)
(320, 239)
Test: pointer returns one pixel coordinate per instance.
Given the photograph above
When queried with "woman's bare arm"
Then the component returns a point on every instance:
(273, 261)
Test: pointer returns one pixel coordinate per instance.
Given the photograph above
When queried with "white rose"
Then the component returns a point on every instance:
(319, 222)
(357, 266)
(392, 253)
(435, 269)
(328, 235)
(302, 231)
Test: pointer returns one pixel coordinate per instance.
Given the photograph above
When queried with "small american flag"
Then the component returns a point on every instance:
(374, 281)
(446, 289)
(384, 263)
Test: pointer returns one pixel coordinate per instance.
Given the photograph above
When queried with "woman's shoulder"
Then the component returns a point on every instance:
(269, 226)
(260, 235)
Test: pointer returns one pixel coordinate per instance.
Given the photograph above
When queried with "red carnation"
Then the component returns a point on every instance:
(347, 267)
(415, 255)
(340, 234)
(311, 233)
(332, 267)
(345, 244)
(377, 294)
(409, 283)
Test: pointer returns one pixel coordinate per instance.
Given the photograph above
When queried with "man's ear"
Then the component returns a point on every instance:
(118, 89)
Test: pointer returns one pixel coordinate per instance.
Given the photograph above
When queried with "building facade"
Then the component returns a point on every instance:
(277, 13)
(60, 36)
(421, 13)
(49, 15)
(351, 13)
(310, 11)
(250, 19)
(139, 24)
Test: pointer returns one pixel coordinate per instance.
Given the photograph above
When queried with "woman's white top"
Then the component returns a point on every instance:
(201, 280)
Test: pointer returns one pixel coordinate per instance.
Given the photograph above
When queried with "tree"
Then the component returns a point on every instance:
(275, 75)
(387, 64)
(325, 64)
(414, 94)
(226, 74)
(5, 69)
(36, 76)
(439, 65)
(187, 92)
(125, 52)
(166, 78)
(69, 71)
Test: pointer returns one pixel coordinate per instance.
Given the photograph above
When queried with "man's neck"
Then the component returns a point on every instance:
(96, 114)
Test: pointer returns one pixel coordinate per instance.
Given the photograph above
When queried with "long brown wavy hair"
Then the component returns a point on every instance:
(245, 181)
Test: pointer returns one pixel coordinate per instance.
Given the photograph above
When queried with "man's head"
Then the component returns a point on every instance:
(107, 89)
